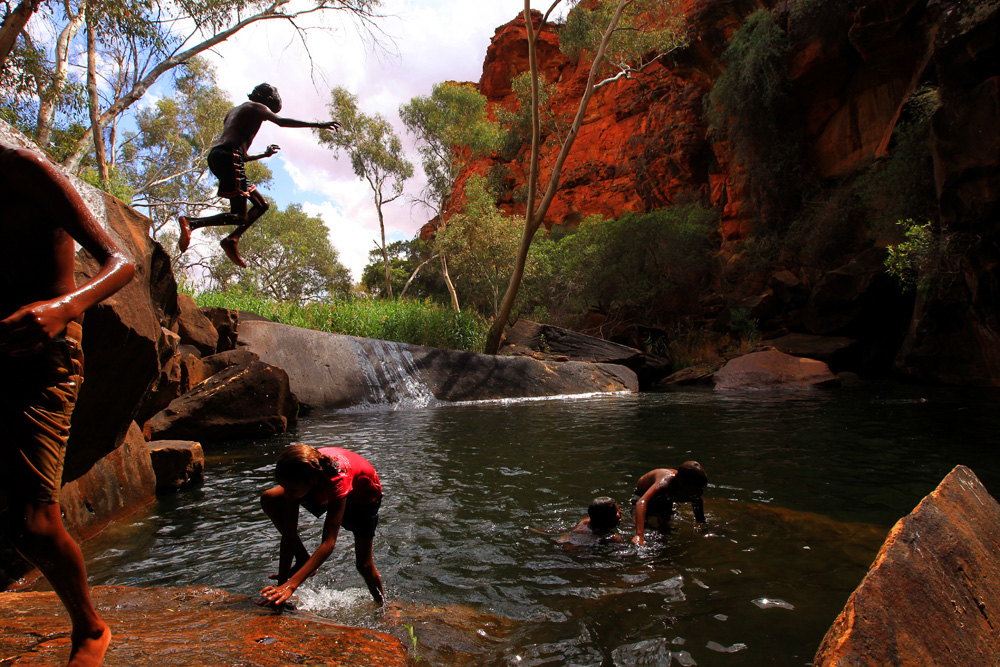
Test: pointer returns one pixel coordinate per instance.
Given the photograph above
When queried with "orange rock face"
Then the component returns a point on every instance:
(931, 594)
(644, 140)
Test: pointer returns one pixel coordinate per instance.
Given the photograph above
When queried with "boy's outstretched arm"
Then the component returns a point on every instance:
(59, 202)
(276, 595)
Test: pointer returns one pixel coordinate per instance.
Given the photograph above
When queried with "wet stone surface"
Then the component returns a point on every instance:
(188, 626)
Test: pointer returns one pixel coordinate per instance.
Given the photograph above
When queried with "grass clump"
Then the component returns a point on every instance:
(405, 321)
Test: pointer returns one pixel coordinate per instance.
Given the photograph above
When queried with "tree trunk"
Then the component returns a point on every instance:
(447, 281)
(49, 97)
(414, 274)
(385, 251)
(533, 219)
(13, 25)
(95, 125)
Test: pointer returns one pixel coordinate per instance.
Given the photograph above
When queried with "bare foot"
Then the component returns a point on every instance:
(89, 652)
(232, 252)
(185, 238)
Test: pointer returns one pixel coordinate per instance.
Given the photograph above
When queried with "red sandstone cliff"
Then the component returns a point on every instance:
(644, 142)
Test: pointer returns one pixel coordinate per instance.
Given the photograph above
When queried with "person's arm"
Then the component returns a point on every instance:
(268, 152)
(291, 122)
(276, 595)
(58, 200)
(699, 510)
(641, 509)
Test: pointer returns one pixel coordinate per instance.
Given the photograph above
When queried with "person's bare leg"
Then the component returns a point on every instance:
(230, 244)
(365, 563)
(184, 239)
(42, 539)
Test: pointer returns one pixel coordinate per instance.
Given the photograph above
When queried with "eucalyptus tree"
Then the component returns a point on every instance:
(288, 259)
(451, 127)
(622, 37)
(376, 155)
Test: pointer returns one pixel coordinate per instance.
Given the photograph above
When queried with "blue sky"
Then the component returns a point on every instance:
(431, 41)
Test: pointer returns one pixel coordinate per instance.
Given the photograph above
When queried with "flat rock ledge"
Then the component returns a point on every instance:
(932, 596)
(180, 627)
(333, 371)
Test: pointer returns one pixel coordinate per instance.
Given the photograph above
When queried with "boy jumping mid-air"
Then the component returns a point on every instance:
(227, 159)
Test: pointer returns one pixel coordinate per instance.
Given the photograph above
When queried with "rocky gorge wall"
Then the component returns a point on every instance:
(645, 144)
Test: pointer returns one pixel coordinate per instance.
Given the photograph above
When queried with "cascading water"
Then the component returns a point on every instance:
(391, 374)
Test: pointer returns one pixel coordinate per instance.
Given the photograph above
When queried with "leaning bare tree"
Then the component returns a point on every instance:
(621, 35)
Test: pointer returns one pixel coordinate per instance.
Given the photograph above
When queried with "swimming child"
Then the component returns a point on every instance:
(603, 517)
(658, 490)
(330, 480)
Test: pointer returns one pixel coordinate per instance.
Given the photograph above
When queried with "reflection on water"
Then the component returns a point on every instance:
(803, 488)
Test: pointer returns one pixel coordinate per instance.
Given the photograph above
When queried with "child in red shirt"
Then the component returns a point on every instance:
(334, 481)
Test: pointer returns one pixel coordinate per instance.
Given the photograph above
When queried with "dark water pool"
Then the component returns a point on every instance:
(803, 488)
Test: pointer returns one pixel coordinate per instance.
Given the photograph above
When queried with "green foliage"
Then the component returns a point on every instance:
(647, 29)
(516, 122)
(743, 326)
(404, 258)
(748, 107)
(404, 320)
(901, 185)
(116, 185)
(910, 262)
(451, 126)
(289, 258)
(480, 244)
(647, 267)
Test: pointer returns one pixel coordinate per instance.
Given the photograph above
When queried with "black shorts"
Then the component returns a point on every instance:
(228, 166)
(359, 518)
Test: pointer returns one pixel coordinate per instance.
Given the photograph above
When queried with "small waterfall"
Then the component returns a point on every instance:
(391, 375)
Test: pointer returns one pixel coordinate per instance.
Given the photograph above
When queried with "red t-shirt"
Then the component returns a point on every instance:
(358, 481)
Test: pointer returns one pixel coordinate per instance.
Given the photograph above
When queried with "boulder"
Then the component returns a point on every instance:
(167, 387)
(931, 595)
(770, 369)
(549, 343)
(245, 401)
(833, 350)
(177, 464)
(692, 375)
(180, 627)
(194, 328)
(226, 323)
(195, 370)
(333, 371)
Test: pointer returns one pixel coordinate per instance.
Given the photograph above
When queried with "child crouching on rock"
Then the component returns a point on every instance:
(330, 480)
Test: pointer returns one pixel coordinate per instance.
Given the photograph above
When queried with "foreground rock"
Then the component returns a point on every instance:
(931, 596)
(177, 464)
(246, 401)
(332, 371)
(180, 627)
(771, 369)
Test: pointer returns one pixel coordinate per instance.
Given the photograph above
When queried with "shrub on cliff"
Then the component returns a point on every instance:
(643, 267)
(749, 108)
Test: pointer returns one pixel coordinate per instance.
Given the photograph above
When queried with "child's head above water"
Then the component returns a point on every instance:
(692, 476)
(604, 514)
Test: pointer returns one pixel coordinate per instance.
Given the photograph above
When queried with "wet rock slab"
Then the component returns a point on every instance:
(175, 627)
(932, 596)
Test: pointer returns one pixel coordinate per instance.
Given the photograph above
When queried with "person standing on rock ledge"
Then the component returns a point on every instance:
(332, 481)
(227, 159)
(41, 368)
